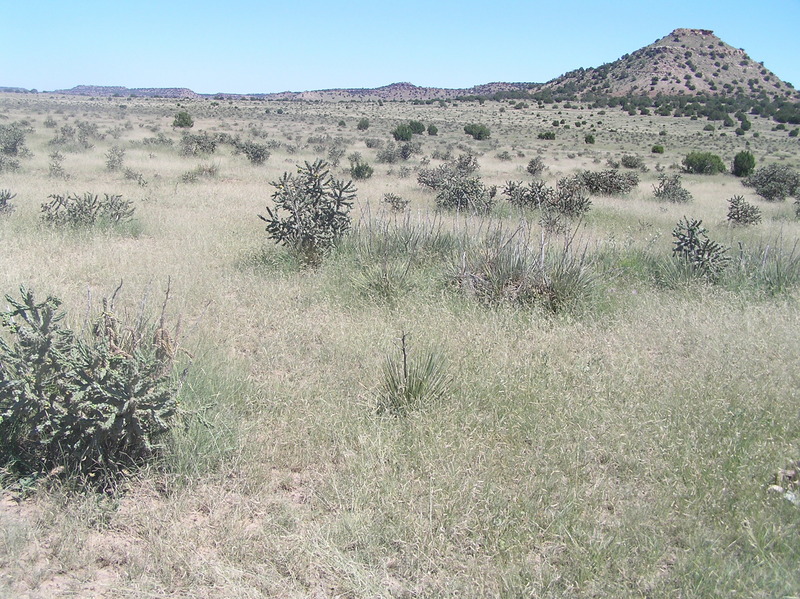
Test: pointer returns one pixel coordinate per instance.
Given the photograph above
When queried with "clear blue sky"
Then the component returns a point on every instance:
(247, 46)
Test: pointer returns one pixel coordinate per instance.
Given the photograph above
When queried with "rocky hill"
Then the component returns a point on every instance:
(685, 62)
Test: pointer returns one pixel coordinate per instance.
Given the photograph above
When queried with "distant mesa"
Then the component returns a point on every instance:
(686, 62)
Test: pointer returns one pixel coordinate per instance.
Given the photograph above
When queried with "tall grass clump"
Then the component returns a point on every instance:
(504, 267)
(769, 268)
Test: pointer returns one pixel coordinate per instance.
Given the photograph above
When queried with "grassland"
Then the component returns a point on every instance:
(622, 447)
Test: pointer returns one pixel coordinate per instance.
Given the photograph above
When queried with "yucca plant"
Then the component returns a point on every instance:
(411, 382)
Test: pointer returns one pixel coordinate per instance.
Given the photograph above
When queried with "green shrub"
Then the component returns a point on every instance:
(741, 212)
(631, 161)
(402, 132)
(794, 132)
(547, 135)
(363, 124)
(536, 166)
(72, 210)
(257, 153)
(395, 202)
(57, 170)
(197, 144)
(704, 163)
(608, 182)
(360, 170)
(12, 139)
(6, 207)
(657, 149)
(706, 257)
(589, 139)
(669, 188)
(94, 404)
(774, 182)
(433, 129)
(183, 120)
(743, 164)
(504, 156)
(417, 128)
(114, 158)
(312, 211)
(477, 131)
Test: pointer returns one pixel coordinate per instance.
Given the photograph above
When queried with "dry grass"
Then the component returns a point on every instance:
(624, 451)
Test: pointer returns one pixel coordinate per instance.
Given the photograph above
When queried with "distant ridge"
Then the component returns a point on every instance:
(687, 62)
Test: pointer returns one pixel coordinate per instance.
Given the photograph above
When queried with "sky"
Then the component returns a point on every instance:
(250, 46)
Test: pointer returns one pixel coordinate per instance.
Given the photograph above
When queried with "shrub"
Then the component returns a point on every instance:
(312, 211)
(548, 135)
(433, 129)
(743, 164)
(631, 161)
(706, 257)
(571, 198)
(535, 194)
(114, 158)
(57, 170)
(395, 202)
(195, 144)
(72, 210)
(417, 128)
(504, 156)
(669, 188)
(6, 207)
(435, 178)
(589, 139)
(608, 182)
(536, 166)
(774, 182)
(183, 120)
(464, 193)
(363, 124)
(411, 381)
(477, 131)
(741, 212)
(703, 163)
(360, 169)
(12, 139)
(402, 132)
(657, 149)
(133, 175)
(373, 143)
(94, 404)
(257, 153)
